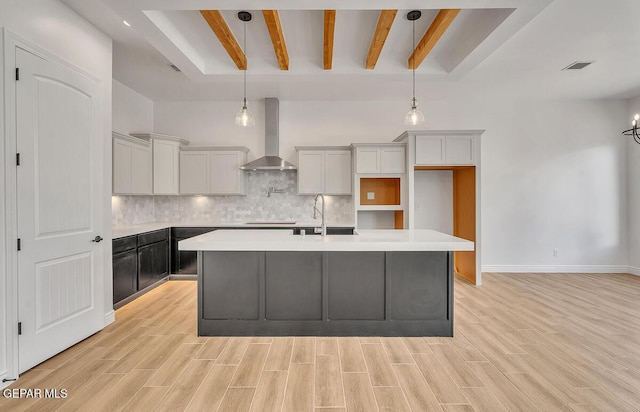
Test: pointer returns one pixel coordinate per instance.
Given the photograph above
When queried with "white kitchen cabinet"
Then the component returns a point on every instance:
(226, 176)
(445, 150)
(392, 159)
(380, 159)
(368, 159)
(324, 170)
(429, 150)
(131, 165)
(166, 161)
(212, 170)
(310, 172)
(459, 150)
(194, 172)
(337, 172)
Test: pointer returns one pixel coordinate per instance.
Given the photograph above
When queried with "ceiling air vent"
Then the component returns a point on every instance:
(174, 67)
(577, 65)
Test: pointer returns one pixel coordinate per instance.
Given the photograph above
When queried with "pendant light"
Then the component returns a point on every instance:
(414, 116)
(244, 116)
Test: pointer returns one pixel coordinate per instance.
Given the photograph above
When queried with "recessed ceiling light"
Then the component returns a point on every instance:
(126, 23)
(577, 65)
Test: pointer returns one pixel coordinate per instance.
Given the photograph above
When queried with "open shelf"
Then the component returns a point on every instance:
(386, 191)
(380, 219)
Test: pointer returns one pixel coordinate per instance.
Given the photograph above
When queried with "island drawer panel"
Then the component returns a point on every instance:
(231, 283)
(293, 285)
(418, 285)
(356, 285)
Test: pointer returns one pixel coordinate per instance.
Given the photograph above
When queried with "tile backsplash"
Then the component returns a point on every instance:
(254, 206)
(132, 210)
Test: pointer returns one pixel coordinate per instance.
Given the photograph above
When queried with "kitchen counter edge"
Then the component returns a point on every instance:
(132, 230)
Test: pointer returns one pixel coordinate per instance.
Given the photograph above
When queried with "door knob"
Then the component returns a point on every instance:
(98, 239)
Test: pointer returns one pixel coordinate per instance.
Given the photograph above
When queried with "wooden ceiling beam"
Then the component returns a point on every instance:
(439, 25)
(379, 37)
(329, 29)
(272, 18)
(221, 29)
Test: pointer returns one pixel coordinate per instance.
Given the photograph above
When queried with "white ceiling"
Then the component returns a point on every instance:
(493, 49)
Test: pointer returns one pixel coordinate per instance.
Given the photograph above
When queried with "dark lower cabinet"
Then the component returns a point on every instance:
(153, 263)
(139, 262)
(153, 257)
(125, 282)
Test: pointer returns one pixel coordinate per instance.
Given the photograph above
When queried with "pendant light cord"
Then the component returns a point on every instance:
(246, 65)
(413, 64)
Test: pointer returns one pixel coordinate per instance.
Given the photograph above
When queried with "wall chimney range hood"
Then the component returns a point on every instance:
(271, 160)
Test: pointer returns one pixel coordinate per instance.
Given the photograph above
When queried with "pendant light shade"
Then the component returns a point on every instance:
(414, 116)
(244, 117)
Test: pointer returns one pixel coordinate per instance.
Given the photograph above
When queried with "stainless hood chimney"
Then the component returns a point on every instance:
(271, 160)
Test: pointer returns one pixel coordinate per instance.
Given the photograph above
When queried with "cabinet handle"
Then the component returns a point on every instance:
(98, 239)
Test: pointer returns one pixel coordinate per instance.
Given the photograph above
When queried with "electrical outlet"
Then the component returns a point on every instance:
(371, 195)
(556, 252)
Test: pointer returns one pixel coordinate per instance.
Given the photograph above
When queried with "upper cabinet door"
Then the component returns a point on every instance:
(226, 176)
(122, 166)
(131, 166)
(430, 150)
(165, 167)
(368, 159)
(337, 172)
(459, 150)
(392, 159)
(311, 172)
(141, 171)
(441, 150)
(194, 172)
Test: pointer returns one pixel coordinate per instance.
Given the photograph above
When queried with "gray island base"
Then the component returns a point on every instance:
(325, 293)
(371, 283)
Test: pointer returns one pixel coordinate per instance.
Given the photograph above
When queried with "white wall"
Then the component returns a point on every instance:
(132, 112)
(53, 27)
(633, 161)
(433, 200)
(553, 173)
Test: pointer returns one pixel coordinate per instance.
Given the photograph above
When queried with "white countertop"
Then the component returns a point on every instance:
(365, 240)
(130, 230)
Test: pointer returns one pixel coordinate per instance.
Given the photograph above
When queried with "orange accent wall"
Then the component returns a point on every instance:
(387, 191)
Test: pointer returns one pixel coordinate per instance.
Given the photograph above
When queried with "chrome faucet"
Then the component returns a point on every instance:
(323, 229)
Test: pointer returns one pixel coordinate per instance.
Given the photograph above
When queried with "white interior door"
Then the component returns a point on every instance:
(59, 186)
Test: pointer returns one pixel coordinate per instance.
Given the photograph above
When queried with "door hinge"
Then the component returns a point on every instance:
(17, 159)
(17, 73)
(19, 328)
(19, 244)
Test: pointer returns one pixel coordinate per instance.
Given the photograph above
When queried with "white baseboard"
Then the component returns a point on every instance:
(109, 318)
(558, 269)
(634, 270)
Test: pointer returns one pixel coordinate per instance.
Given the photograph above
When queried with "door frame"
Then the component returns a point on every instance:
(8, 178)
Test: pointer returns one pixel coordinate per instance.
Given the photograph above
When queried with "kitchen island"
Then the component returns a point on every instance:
(374, 283)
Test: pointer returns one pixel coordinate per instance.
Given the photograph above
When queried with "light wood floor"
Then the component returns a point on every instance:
(522, 342)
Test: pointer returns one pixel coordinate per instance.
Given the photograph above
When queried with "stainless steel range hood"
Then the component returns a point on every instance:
(271, 160)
